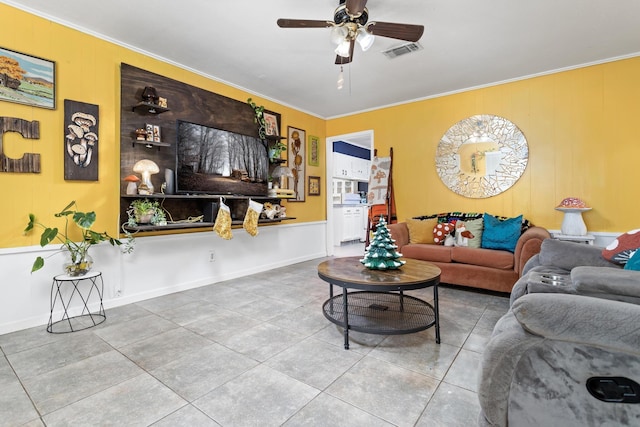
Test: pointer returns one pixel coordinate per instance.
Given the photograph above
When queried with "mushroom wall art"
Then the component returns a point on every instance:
(80, 141)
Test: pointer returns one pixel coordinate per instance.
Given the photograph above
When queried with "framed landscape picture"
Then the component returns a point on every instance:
(27, 79)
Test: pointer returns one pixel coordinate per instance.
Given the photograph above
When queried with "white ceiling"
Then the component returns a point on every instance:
(467, 43)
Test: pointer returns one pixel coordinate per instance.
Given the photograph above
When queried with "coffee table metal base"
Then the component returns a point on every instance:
(384, 313)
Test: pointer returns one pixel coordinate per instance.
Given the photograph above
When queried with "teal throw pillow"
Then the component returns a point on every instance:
(634, 262)
(501, 235)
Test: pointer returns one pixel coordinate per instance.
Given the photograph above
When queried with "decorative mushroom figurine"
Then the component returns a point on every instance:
(146, 168)
(132, 186)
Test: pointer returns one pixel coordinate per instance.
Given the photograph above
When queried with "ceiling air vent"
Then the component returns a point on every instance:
(394, 52)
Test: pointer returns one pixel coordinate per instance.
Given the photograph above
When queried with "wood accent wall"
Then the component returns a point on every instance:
(185, 102)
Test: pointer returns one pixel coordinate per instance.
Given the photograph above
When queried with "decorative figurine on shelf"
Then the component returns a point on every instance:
(132, 184)
(146, 168)
(141, 134)
(149, 95)
(381, 254)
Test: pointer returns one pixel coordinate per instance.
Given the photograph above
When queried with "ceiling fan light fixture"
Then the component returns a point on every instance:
(365, 39)
(343, 48)
(339, 34)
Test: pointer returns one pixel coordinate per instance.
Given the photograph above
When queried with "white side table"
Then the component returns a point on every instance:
(589, 239)
(64, 289)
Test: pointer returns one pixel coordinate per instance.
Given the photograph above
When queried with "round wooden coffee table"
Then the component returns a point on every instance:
(379, 304)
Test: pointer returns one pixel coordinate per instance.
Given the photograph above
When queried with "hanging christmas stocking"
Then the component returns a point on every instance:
(250, 223)
(222, 225)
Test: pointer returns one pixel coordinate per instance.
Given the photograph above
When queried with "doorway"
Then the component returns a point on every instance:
(362, 139)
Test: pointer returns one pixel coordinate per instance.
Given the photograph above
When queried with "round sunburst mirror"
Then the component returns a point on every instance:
(481, 156)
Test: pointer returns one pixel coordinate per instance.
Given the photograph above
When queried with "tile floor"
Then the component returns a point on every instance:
(254, 351)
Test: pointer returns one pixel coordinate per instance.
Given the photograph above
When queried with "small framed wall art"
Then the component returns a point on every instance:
(156, 133)
(149, 128)
(27, 79)
(314, 153)
(271, 124)
(81, 140)
(314, 185)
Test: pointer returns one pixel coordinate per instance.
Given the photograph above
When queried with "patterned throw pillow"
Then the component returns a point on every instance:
(441, 231)
(421, 231)
(621, 249)
(501, 235)
(475, 226)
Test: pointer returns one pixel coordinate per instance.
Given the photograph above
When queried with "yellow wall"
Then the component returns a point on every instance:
(581, 127)
(88, 70)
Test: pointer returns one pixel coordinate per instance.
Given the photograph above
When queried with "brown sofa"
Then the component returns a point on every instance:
(496, 270)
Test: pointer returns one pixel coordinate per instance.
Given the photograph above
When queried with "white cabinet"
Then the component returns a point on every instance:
(349, 223)
(360, 168)
(343, 186)
(341, 165)
(349, 167)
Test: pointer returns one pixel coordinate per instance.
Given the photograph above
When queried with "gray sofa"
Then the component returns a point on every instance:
(571, 334)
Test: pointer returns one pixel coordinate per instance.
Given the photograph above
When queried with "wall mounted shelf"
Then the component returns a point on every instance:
(150, 144)
(148, 108)
(237, 203)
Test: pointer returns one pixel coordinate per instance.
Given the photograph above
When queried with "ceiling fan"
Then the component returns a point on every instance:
(350, 24)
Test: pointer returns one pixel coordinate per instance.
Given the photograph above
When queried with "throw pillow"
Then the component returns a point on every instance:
(475, 226)
(501, 235)
(441, 231)
(421, 231)
(621, 249)
(634, 262)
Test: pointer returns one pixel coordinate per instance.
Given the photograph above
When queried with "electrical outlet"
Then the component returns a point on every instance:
(212, 256)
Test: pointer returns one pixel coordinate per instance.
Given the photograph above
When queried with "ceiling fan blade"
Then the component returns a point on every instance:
(340, 60)
(355, 7)
(408, 32)
(303, 23)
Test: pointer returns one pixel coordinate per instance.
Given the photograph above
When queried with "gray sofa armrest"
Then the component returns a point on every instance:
(534, 261)
(609, 283)
(499, 361)
(581, 319)
(567, 255)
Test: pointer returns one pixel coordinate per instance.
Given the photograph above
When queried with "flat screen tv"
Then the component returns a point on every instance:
(215, 161)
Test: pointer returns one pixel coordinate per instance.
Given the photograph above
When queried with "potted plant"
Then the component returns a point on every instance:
(145, 211)
(275, 149)
(79, 261)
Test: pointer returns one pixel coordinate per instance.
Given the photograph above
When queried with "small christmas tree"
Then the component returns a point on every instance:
(381, 254)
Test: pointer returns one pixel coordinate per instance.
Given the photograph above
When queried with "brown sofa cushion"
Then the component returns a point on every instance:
(426, 252)
(502, 260)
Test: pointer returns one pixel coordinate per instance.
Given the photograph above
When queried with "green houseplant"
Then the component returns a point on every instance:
(258, 110)
(145, 211)
(275, 149)
(80, 261)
